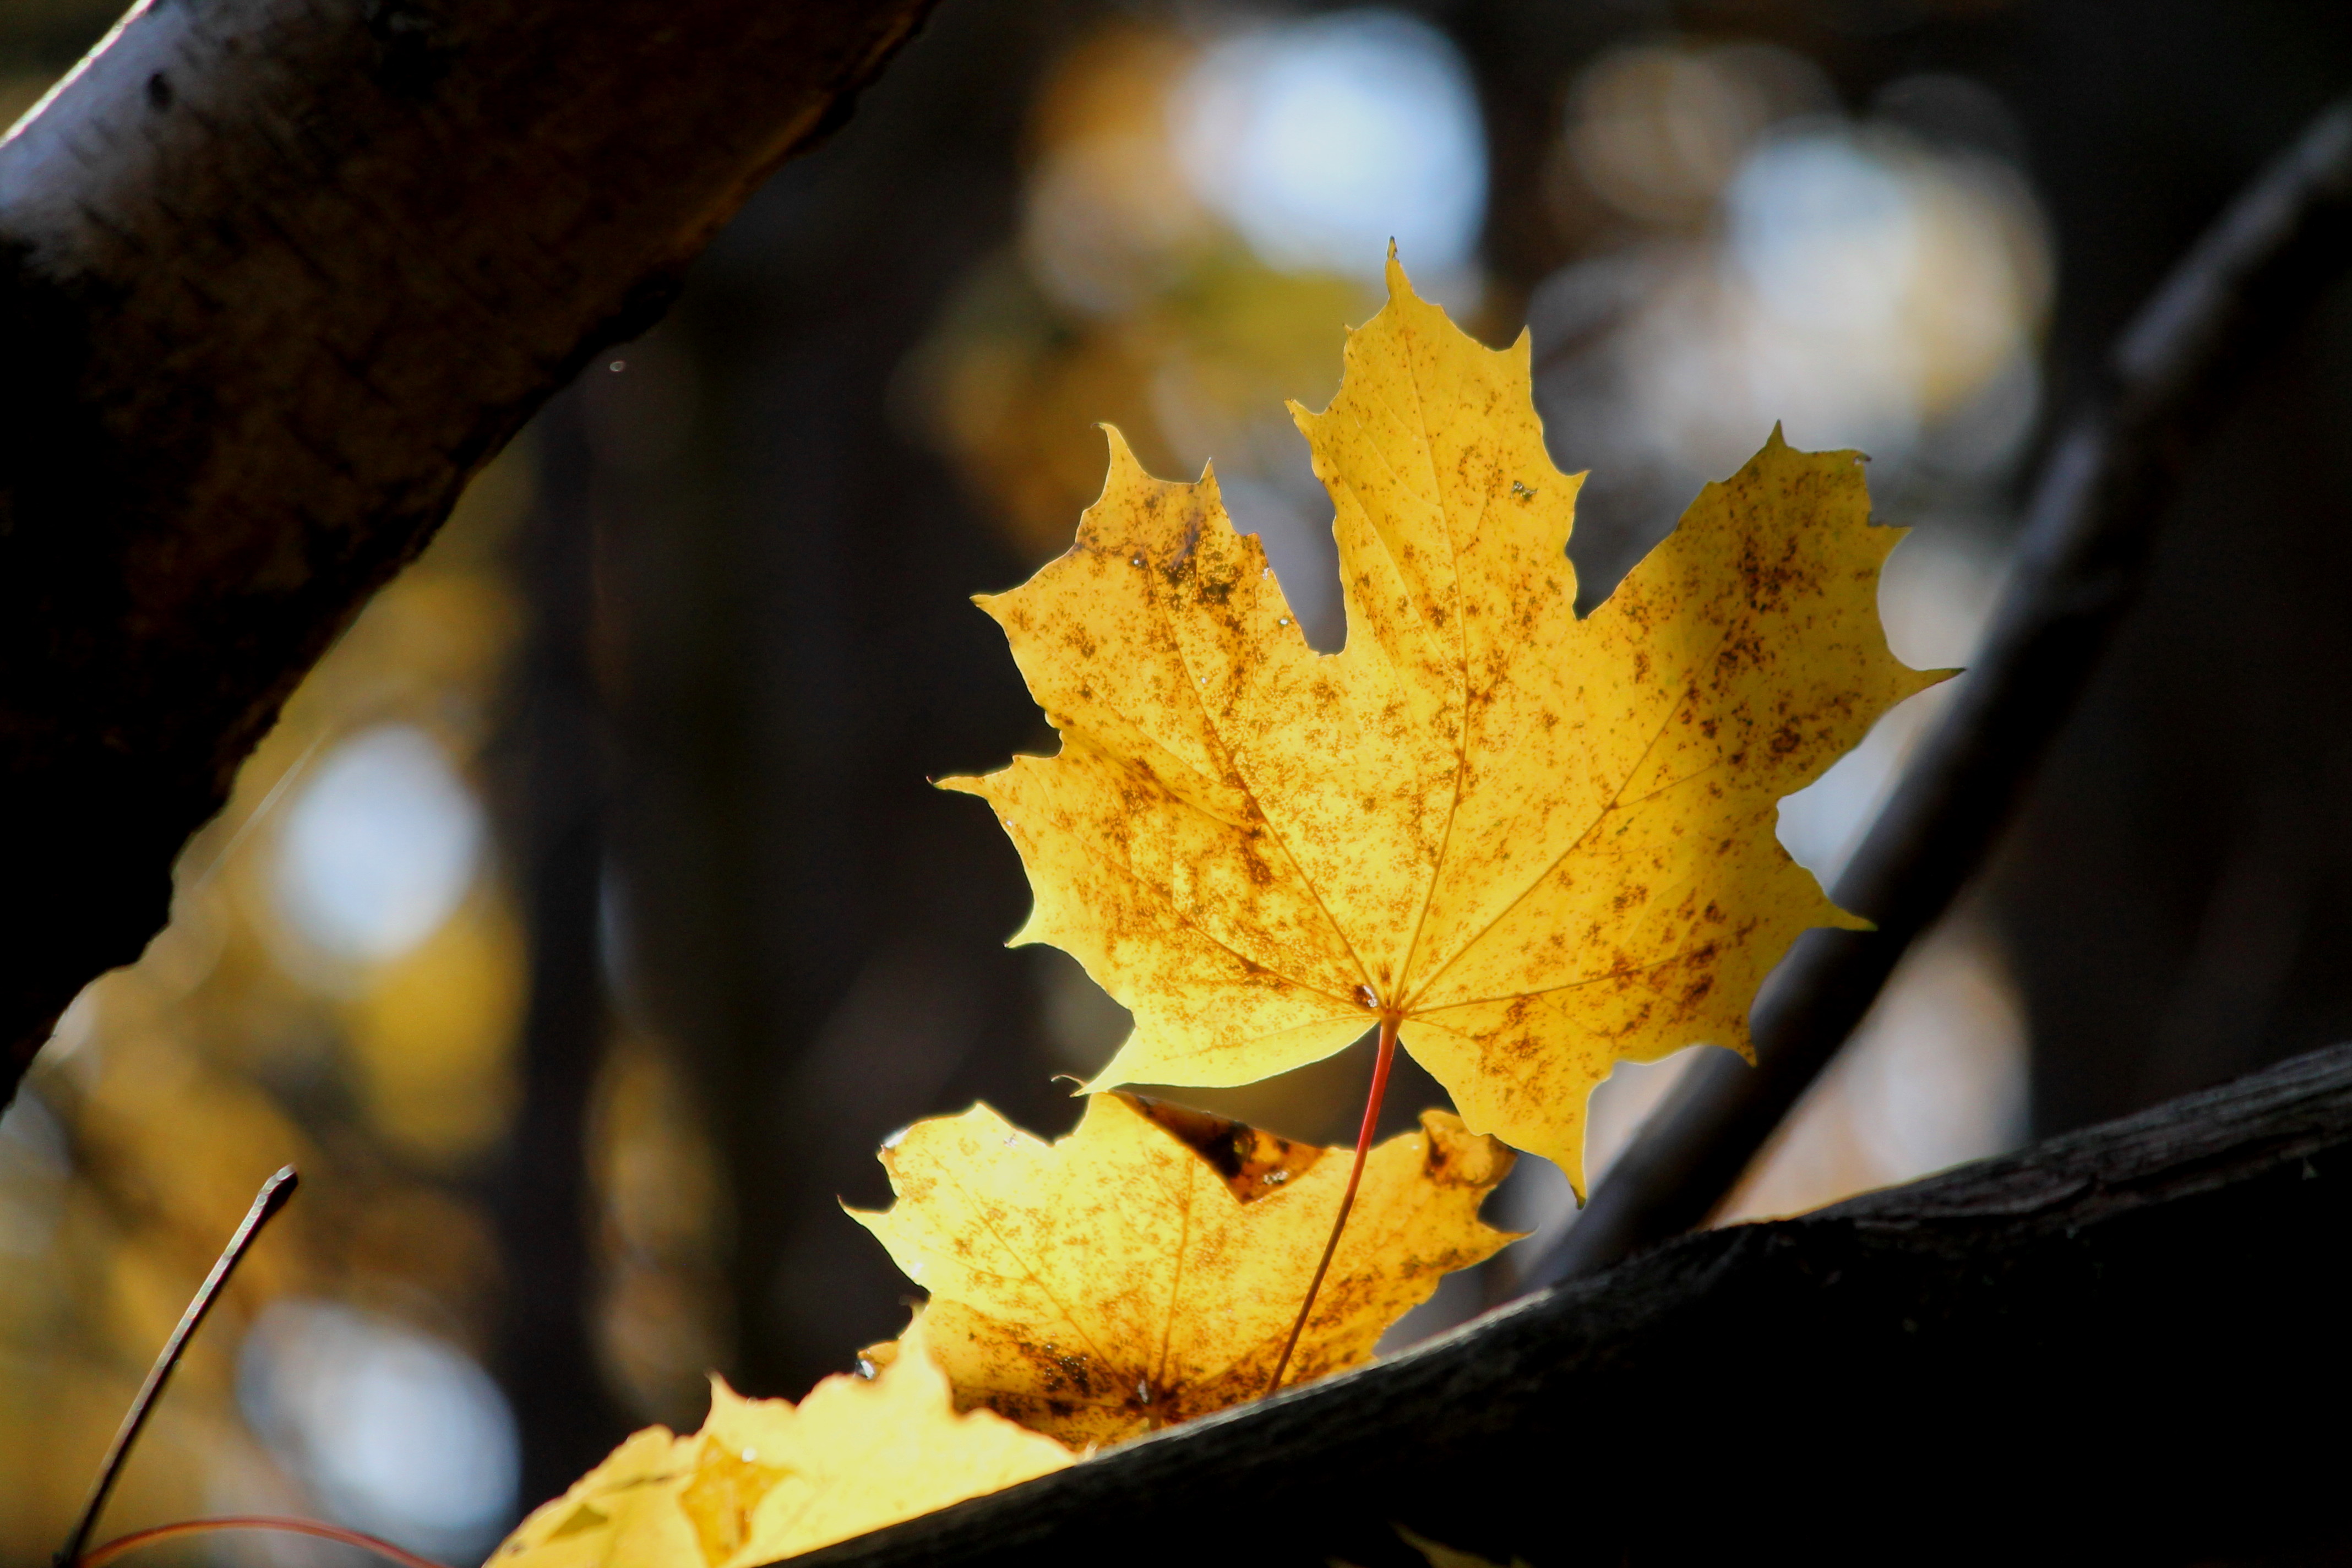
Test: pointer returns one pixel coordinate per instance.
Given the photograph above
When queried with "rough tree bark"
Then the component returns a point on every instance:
(276, 277)
(2122, 1345)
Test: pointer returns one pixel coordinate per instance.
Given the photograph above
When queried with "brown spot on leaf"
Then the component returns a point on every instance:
(1252, 1162)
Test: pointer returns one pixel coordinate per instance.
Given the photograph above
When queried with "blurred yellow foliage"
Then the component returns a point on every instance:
(664, 1214)
(1125, 301)
(430, 1032)
(1016, 386)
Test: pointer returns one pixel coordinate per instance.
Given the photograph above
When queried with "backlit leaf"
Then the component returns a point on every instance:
(765, 1480)
(1146, 1268)
(1544, 843)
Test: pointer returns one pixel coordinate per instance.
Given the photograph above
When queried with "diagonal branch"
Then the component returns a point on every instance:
(276, 277)
(2091, 528)
(2109, 1345)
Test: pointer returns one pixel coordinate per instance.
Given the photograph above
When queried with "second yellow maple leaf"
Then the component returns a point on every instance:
(1539, 844)
(1147, 1269)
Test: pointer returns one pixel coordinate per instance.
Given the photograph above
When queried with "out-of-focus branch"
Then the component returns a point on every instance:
(554, 797)
(276, 277)
(2091, 528)
(2107, 1345)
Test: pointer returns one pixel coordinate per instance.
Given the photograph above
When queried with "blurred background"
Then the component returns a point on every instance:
(589, 919)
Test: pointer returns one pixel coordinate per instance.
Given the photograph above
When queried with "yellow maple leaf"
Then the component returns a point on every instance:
(1533, 843)
(1148, 1267)
(623, 1512)
(765, 1480)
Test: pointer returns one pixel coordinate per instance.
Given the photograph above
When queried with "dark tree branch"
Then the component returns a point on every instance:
(554, 797)
(276, 277)
(2116, 1345)
(2091, 528)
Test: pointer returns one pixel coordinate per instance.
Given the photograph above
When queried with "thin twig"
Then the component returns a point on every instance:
(266, 1203)
(99, 1556)
(2090, 529)
(260, 811)
(1381, 1065)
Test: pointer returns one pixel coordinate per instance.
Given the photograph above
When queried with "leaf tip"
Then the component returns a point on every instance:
(1122, 455)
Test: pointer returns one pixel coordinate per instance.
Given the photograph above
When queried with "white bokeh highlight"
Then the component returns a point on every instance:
(392, 1430)
(1323, 139)
(378, 848)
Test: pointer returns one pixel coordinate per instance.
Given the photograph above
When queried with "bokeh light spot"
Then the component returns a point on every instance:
(1827, 234)
(396, 1432)
(1322, 140)
(380, 847)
